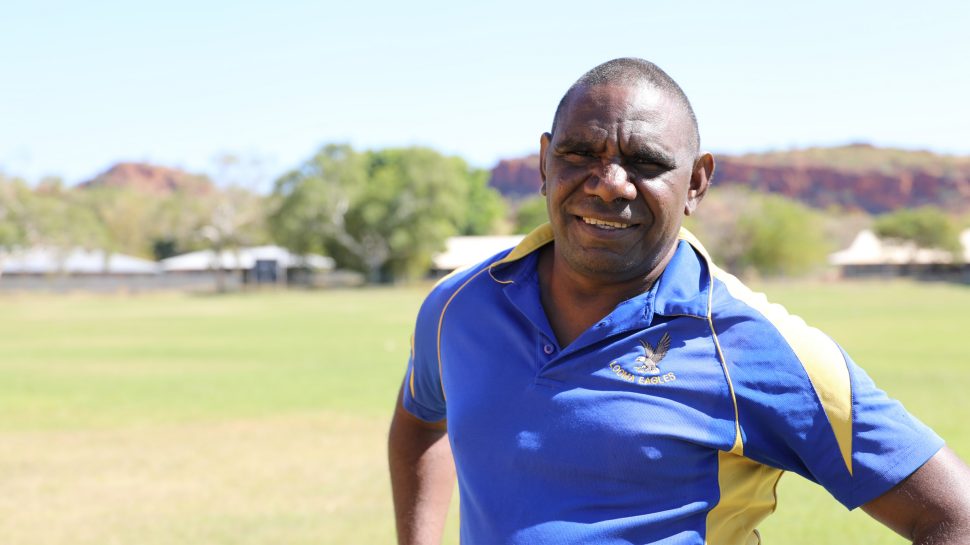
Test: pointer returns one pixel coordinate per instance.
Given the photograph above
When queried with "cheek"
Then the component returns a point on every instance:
(564, 182)
(570, 174)
(663, 198)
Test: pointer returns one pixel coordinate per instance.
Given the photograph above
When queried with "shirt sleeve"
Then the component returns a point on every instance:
(423, 392)
(805, 406)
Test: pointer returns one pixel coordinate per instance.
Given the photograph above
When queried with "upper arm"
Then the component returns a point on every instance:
(804, 406)
(857, 442)
(423, 393)
(404, 419)
(410, 436)
(932, 504)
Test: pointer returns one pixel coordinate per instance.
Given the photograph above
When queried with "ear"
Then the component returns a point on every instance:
(543, 147)
(700, 180)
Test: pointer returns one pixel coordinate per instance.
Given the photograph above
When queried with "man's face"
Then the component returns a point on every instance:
(618, 175)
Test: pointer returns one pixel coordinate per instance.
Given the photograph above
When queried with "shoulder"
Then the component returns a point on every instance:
(777, 359)
(750, 327)
(768, 346)
(461, 281)
(772, 351)
(738, 310)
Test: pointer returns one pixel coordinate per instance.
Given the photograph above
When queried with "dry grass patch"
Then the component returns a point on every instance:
(317, 478)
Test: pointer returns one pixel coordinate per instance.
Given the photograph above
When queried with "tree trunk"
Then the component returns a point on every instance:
(373, 274)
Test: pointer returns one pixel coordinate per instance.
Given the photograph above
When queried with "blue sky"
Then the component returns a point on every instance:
(179, 83)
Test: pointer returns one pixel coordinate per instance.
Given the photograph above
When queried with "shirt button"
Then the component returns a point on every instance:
(548, 349)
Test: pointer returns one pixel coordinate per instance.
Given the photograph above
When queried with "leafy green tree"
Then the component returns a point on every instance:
(715, 222)
(784, 237)
(381, 212)
(748, 232)
(125, 216)
(530, 213)
(63, 220)
(312, 200)
(926, 227)
(486, 207)
(13, 217)
(177, 222)
(50, 216)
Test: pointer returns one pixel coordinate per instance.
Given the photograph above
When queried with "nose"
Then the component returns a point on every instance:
(611, 183)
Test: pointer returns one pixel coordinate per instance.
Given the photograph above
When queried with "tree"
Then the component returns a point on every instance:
(925, 227)
(747, 231)
(381, 212)
(50, 216)
(177, 222)
(314, 198)
(13, 217)
(486, 207)
(715, 222)
(126, 217)
(204, 215)
(530, 214)
(220, 220)
(784, 237)
(234, 219)
(62, 221)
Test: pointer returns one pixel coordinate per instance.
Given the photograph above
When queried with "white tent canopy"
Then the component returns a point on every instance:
(868, 249)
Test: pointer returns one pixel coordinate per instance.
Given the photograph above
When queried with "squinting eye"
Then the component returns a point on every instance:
(651, 164)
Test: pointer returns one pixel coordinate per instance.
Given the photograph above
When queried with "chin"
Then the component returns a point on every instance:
(605, 266)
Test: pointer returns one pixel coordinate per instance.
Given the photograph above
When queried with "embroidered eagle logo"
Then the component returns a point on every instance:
(652, 356)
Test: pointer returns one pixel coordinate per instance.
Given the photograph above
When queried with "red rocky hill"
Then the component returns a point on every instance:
(150, 179)
(516, 178)
(858, 177)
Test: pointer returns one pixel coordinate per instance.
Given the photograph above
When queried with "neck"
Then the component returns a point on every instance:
(574, 302)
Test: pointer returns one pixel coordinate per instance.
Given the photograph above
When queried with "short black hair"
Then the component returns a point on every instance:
(631, 70)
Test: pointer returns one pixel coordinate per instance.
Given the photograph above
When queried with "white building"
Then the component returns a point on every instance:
(259, 264)
(77, 261)
(464, 251)
(76, 269)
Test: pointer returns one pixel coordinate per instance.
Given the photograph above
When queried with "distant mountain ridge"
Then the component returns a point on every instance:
(517, 178)
(855, 177)
(150, 178)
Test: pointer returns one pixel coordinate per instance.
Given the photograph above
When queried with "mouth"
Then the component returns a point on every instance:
(607, 225)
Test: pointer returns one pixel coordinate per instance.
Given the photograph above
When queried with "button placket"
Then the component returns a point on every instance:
(546, 352)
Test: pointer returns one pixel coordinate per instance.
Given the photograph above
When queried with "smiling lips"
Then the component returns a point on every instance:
(607, 225)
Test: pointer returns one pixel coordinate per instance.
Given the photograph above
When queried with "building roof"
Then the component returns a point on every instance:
(464, 251)
(868, 249)
(40, 260)
(243, 258)
(965, 242)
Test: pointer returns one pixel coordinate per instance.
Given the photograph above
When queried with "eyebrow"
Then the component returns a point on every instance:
(654, 154)
(570, 142)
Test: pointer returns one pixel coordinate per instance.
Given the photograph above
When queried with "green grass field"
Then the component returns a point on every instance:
(261, 418)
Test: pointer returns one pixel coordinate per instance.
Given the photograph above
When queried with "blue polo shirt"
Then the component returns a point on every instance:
(669, 421)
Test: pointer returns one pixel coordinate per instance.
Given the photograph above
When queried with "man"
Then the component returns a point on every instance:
(604, 382)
